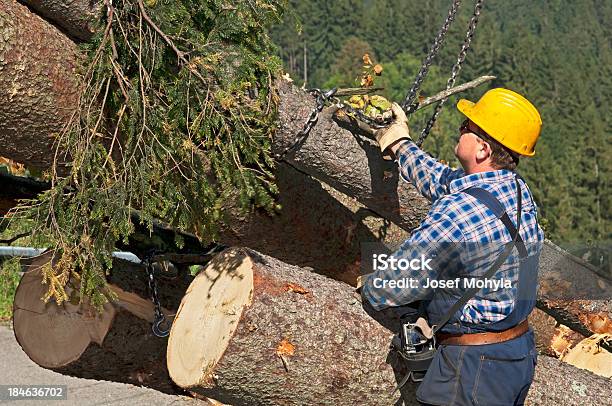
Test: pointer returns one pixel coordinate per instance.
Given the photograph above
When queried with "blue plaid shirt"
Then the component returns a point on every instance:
(460, 234)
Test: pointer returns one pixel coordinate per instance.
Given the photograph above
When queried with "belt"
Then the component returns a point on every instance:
(483, 338)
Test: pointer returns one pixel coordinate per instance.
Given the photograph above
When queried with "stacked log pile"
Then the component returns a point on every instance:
(256, 326)
(251, 329)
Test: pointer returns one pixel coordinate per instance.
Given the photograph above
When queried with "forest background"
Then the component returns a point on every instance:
(556, 53)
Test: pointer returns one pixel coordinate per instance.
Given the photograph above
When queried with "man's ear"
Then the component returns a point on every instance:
(484, 151)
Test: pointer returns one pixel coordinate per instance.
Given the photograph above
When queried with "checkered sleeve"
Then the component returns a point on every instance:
(428, 175)
(395, 283)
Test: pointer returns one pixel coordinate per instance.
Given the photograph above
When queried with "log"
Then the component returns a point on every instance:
(76, 18)
(317, 227)
(349, 162)
(69, 329)
(574, 293)
(38, 84)
(253, 330)
(115, 344)
(588, 354)
(552, 339)
(557, 383)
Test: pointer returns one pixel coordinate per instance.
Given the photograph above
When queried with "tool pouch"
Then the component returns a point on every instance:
(416, 344)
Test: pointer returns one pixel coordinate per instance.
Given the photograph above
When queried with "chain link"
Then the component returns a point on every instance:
(321, 98)
(407, 105)
(160, 318)
(455, 70)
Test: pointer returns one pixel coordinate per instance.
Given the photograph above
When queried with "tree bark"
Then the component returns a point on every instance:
(38, 84)
(349, 162)
(253, 330)
(557, 383)
(76, 18)
(116, 344)
(574, 292)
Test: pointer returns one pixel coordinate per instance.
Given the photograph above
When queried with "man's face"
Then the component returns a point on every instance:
(470, 148)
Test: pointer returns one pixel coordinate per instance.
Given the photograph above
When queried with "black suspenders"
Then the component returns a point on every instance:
(418, 360)
(485, 197)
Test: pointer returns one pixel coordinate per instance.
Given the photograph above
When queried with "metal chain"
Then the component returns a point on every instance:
(160, 318)
(407, 105)
(410, 105)
(455, 70)
(300, 137)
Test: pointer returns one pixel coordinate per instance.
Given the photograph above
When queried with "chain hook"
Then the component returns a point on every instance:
(160, 318)
(157, 330)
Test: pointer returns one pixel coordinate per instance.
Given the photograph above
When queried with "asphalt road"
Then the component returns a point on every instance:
(17, 369)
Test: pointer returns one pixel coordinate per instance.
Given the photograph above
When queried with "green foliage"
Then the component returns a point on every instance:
(555, 53)
(175, 121)
(9, 279)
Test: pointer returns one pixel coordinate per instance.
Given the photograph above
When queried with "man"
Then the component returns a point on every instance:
(486, 352)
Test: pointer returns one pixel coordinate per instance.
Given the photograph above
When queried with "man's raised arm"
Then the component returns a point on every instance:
(428, 175)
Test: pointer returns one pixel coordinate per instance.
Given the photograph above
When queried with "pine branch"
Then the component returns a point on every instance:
(11, 240)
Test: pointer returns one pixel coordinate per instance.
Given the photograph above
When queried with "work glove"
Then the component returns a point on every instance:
(396, 131)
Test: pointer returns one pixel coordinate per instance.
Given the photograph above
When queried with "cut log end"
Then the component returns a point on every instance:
(54, 336)
(208, 316)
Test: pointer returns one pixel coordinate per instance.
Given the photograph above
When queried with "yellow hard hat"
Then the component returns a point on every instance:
(507, 117)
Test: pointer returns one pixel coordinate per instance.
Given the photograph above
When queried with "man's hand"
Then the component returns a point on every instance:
(386, 137)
